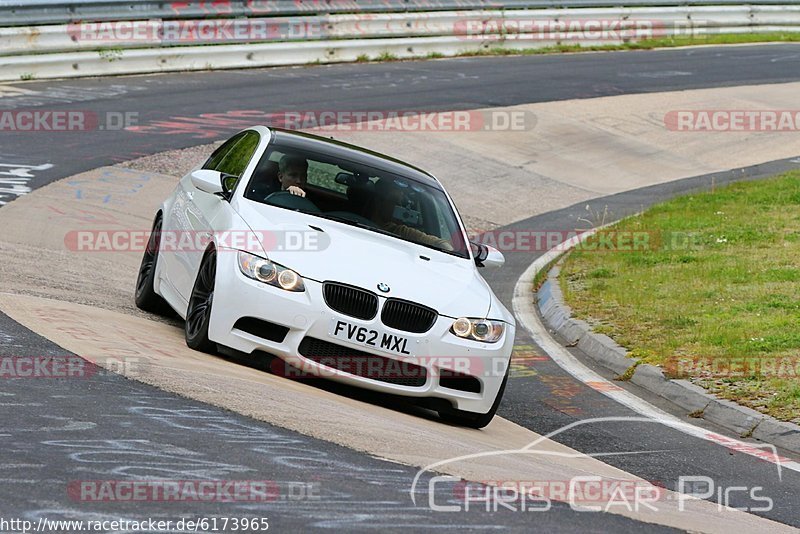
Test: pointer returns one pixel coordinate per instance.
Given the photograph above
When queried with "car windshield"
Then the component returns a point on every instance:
(355, 194)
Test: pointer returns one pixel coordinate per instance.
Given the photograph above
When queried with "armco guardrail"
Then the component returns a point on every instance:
(135, 43)
(36, 12)
(482, 25)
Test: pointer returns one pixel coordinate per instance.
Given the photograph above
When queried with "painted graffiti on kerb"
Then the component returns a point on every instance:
(14, 179)
(11, 91)
(18, 98)
(114, 186)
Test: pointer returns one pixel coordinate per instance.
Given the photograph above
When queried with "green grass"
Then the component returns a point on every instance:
(714, 294)
(646, 44)
(386, 56)
(110, 54)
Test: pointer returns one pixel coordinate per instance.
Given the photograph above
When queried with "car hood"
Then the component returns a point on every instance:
(355, 256)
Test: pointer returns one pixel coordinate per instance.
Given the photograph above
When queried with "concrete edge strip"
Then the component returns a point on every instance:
(744, 421)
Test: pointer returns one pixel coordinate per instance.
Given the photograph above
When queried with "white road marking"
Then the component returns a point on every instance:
(656, 74)
(8, 90)
(14, 178)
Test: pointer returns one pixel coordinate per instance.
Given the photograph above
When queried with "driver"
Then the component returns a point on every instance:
(293, 174)
(387, 197)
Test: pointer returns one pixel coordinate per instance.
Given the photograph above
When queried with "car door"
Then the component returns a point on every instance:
(195, 210)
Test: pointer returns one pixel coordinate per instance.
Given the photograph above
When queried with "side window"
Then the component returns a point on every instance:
(219, 154)
(323, 175)
(236, 159)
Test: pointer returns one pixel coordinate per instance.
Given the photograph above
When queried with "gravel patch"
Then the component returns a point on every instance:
(172, 162)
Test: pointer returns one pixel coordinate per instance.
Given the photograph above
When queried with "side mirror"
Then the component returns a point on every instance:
(214, 182)
(228, 184)
(345, 178)
(207, 181)
(486, 256)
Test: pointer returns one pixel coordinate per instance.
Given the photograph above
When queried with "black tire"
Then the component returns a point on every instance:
(198, 314)
(146, 298)
(471, 419)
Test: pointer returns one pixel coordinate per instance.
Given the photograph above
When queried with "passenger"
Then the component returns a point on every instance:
(293, 174)
(387, 197)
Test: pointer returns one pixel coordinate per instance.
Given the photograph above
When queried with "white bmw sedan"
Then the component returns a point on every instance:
(344, 263)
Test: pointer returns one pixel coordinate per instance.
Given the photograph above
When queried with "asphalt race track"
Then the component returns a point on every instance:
(447, 84)
(109, 426)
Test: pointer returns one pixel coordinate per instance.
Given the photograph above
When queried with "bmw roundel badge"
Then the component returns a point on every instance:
(383, 287)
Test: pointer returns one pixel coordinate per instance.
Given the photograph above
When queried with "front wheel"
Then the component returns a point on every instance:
(198, 314)
(470, 419)
(146, 297)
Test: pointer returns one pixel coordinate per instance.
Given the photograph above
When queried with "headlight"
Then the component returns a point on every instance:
(478, 329)
(269, 272)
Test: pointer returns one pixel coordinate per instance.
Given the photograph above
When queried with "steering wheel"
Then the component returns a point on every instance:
(285, 199)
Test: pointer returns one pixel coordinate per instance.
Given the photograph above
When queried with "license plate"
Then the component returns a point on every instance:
(369, 337)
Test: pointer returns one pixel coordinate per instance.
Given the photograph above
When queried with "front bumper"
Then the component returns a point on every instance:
(306, 315)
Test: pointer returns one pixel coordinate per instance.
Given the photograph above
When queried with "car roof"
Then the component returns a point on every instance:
(331, 147)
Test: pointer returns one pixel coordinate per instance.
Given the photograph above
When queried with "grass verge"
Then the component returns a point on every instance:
(708, 287)
(648, 44)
